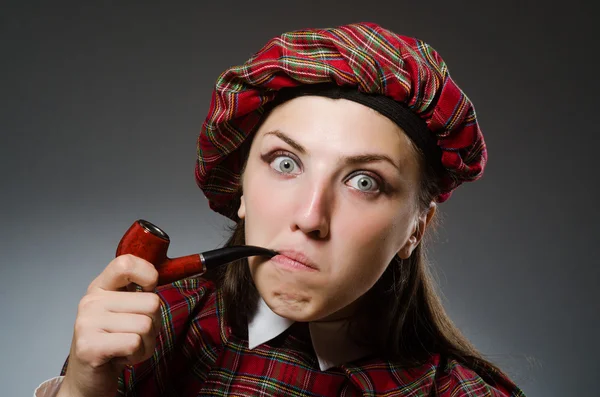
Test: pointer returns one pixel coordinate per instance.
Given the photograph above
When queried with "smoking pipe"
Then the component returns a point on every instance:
(149, 242)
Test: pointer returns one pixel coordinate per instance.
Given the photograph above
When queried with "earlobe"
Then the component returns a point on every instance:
(242, 210)
(406, 251)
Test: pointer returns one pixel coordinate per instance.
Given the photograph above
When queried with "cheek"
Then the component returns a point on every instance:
(263, 193)
(381, 232)
(265, 207)
(366, 247)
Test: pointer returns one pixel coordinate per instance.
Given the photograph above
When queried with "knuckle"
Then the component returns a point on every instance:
(124, 264)
(154, 303)
(81, 325)
(84, 349)
(153, 279)
(86, 303)
(146, 325)
(154, 271)
(134, 345)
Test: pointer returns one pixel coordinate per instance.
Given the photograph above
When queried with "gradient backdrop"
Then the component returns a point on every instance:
(101, 103)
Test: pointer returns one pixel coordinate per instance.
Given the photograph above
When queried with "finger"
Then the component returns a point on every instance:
(103, 347)
(144, 326)
(124, 270)
(121, 323)
(94, 308)
(121, 302)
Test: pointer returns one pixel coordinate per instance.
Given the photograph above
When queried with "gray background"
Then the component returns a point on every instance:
(100, 108)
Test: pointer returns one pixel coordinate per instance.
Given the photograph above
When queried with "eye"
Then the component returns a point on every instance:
(285, 165)
(364, 183)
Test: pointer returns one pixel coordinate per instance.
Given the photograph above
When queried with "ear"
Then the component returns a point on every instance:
(419, 228)
(242, 210)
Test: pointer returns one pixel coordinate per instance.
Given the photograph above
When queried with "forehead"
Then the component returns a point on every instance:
(349, 127)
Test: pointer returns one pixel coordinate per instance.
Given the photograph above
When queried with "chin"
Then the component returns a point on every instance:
(292, 306)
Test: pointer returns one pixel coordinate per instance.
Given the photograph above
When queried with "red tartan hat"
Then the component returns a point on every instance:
(364, 55)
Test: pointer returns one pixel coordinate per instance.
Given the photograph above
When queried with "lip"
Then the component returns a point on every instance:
(294, 260)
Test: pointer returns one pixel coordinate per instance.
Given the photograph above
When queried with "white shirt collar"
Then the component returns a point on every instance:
(330, 339)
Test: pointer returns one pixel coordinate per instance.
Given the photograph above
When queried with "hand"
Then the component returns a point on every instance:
(114, 327)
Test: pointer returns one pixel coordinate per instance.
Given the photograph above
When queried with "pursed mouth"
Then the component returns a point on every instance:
(295, 260)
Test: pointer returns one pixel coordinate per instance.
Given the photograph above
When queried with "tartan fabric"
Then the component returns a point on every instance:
(197, 355)
(364, 55)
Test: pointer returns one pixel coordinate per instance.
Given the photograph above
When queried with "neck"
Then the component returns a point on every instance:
(345, 313)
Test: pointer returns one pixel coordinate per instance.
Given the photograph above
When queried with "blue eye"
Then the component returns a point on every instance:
(285, 165)
(364, 183)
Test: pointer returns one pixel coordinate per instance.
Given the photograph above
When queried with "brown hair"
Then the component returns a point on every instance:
(401, 318)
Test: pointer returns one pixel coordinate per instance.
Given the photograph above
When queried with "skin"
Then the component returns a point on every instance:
(301, 191)
(114, 327)
(338, 213)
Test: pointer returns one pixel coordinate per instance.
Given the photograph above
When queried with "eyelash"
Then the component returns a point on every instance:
(269, 157)
(383, 185)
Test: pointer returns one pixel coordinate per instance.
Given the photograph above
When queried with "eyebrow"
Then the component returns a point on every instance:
(356, 159)
(287, 140)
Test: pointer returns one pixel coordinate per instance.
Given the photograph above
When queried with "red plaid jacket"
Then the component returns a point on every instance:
(198, 355)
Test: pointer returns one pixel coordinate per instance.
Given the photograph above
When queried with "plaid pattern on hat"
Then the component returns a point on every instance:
(364, 55)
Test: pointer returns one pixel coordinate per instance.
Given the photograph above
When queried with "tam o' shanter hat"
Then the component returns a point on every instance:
(366, 56)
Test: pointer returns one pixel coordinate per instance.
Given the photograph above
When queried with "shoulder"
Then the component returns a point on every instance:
(438, 377)
(456, 380)
(186, 291)
(189, 301)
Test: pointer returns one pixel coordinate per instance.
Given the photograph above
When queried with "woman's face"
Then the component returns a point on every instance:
(331, 185)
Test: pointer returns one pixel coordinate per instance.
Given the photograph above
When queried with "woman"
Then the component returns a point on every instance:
(332, 147)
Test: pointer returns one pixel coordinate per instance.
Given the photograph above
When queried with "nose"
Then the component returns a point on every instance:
(313, 213)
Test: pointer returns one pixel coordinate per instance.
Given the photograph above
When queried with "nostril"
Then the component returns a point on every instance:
(316, 234)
